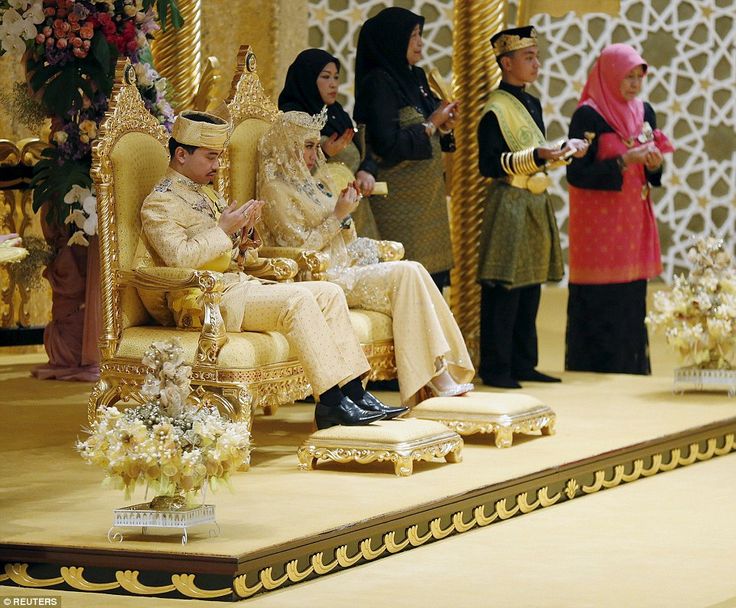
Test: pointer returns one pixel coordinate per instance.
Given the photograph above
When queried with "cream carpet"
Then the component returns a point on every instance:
(666, 541)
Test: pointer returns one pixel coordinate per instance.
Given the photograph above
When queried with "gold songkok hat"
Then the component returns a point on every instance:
(202, 130)
(513, 39)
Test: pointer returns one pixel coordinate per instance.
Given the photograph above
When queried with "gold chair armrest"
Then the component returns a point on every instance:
(213, 335)
(390, 251)
(164, 278)
(312, 264)
(275, 269)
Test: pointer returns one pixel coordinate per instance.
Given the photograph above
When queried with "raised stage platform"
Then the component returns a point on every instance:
(280, 526)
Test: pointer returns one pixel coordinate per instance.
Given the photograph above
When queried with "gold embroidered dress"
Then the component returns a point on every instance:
(179, 220)
(299, 213)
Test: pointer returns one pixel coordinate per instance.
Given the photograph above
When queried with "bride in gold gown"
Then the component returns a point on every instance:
(302, 210)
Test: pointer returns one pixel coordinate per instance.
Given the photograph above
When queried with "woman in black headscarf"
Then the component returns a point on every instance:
(405, 122)
(311, 83)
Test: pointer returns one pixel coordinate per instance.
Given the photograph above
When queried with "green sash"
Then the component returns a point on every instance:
(517, 126)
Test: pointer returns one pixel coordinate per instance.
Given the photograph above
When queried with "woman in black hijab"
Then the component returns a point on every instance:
(405, 122)
(311, 83)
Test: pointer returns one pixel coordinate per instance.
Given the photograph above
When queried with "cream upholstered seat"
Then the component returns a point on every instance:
(502, 414)
(251, 112)
(399, 441)
(235, 371)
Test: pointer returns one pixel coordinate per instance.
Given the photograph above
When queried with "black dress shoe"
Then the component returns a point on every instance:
(347, 413)
(535, 376)
(370, 403)
(500, 381)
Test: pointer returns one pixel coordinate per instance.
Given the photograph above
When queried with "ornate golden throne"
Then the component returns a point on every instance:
(251, 112)
(235, 371)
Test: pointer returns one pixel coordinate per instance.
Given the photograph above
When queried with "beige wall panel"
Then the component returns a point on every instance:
(10, 126)
(276, 29)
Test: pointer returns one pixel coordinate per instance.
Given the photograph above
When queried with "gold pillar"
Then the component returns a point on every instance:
(476, 74)
(177, 54)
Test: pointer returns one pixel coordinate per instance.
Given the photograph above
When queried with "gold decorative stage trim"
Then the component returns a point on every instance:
(238, 577)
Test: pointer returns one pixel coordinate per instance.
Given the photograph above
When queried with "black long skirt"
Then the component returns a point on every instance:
(606, 330)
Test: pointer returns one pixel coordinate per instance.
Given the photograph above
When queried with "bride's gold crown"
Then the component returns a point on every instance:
(307, 121)
(514, 39)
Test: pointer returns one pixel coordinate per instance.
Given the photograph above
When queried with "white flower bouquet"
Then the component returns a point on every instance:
(82, 213)
(170, 444)
(698, 315)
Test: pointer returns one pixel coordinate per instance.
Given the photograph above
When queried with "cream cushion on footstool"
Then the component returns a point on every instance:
(400, 441)
(501, 413)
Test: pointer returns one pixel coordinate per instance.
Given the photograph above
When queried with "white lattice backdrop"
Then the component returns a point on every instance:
(690, 46)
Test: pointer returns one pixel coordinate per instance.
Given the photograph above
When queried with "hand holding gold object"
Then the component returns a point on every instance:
(380, 189)
(439, 86)
(576, 148)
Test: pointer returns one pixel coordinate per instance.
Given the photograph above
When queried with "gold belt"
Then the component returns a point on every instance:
(536, 184)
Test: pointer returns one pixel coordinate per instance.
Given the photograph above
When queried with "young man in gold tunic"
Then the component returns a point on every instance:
(186, 223)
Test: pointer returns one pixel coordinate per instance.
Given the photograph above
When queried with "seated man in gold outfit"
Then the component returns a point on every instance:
(302, 210)
(186, 223)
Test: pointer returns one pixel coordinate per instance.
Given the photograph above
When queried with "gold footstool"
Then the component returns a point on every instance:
(399, 441)
(501, 413)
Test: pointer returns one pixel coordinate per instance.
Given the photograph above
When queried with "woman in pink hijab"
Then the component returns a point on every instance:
(614, 245)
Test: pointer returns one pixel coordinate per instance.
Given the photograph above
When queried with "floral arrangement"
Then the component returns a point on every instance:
(169, 443)
(27, 272)
(70, 48)
(84, 218)
(698, 315)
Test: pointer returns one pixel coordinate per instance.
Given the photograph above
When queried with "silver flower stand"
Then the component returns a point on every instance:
(142, 516)
(701, 379)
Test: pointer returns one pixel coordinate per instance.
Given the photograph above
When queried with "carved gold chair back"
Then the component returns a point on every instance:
(129, 158)
(251, 112)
